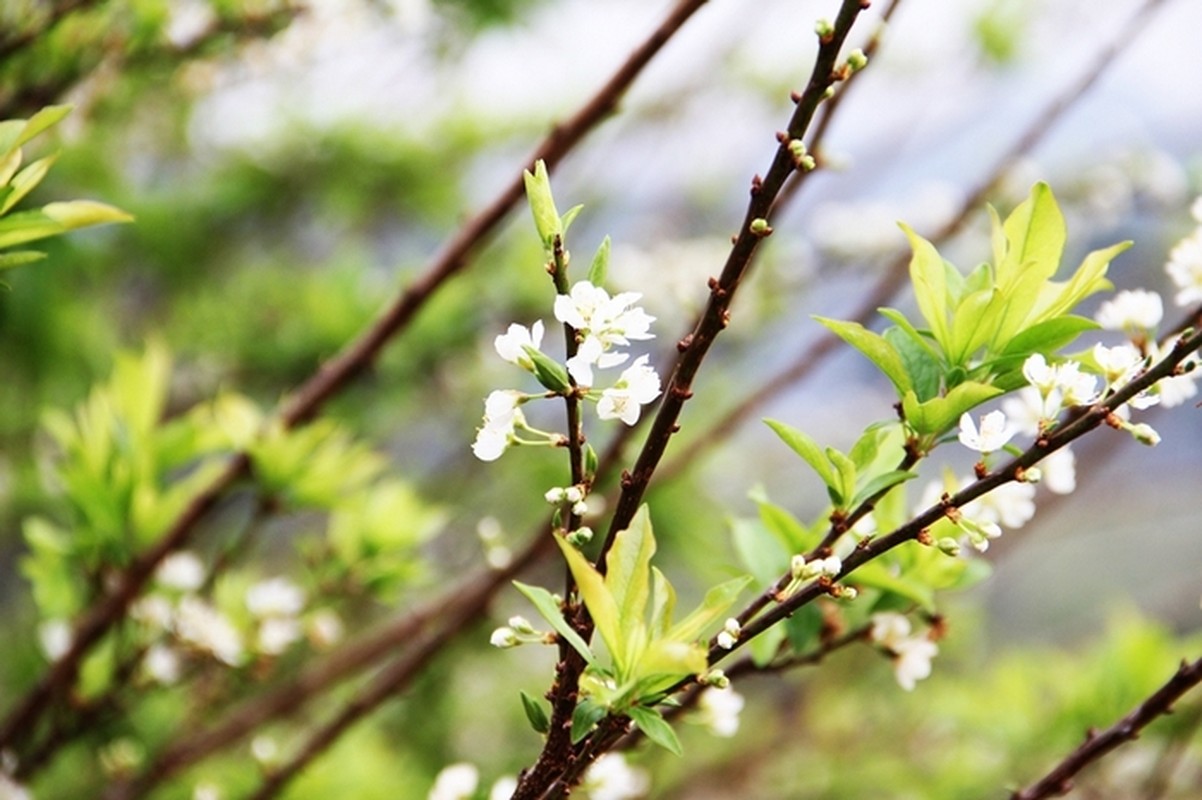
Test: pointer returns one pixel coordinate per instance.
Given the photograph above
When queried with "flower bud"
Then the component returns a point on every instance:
(503, 638)
(856, 60)
(521, 625)
(949, 546)
(1145, 434)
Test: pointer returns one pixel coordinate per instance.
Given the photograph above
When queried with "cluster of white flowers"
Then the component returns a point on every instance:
(459, 782)
(911, 654)
(183, 623)
(518, 631)
(602, 324)
(981, 520)
(612, 778)
(1185, 262)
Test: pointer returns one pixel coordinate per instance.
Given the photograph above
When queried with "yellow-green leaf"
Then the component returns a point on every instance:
(74, 214)
(597, 599)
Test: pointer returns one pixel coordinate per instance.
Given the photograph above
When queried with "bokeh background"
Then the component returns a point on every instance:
(292, 167)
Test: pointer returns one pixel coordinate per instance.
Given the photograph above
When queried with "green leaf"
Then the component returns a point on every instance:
(628, 570)
(973, 323)
(881, 483)
(27, 226)
(565, 221)
(550, 373)
(584, 717)
(929, 278)
(918, 337)
(938, 414)
(795, 536)
(878, 576)
(542, 204)
(1048, 336)
(599, 601)
(74, 214)
(759, 551)
(807, 448)
(20, 257)
(25, 180)
(804, 627)
(1034, 235)
(16, 132)
(549, 609)
(922, 367)
(717, 602)
(663, 604)
(600, 266)
(764, 647)
(1058, 298)
(846, 470)
(875, 347)
(657, 729)
(536, 714)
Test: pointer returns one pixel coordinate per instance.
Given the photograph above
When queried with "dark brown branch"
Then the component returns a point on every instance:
(333, 376)
(894, 276)
(1059, 780)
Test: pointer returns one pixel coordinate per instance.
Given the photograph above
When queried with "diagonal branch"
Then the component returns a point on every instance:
(333, 376)
(1059, 781)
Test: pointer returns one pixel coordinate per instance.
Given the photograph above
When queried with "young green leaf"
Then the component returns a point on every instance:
(550, 373)
(657, 729)
(600, 266)
(599, 601)
(880, 483)
(717, 602)
(542, 204)
(628, 570)
(877, 349)
(846, 470)
(938, 414)
(536, 714)
(584, 717)
(25, 181)
(549, 610)
(807, 448)
(1034, 234)
(928, 276)
(74, 214)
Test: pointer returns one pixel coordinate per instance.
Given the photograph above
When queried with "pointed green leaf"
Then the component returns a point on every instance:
(597, 598)
(922, 367)
(536, 714)
(542, 204)
(1035, 235)
(27, 226)
(549, 610)
(657, 729)
(938, 414)
(1048, 336)
(973, 324)
(876, 575)
(628, 569)
(663, 604)
(919, 339)
(25, 181)
(19, 257)
(1058, 298)
(83, 213)
(44, 119)
(805, 447)
(759, 551)
(600, 266)
(928, 276)
(584, 717)
(717, 602)
(665, 662)
(881, 483)
(787, 528)
(878, 350)
(846, 471)
(550, 373)
(565, 221)
(10, 162)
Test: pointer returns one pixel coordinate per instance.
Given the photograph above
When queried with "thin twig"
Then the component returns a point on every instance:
(1059, 780)
(333, 376)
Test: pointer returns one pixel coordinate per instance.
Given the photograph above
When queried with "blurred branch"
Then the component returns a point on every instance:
(1059, 781)
(895, 274)
(335, 375)
(15, 41)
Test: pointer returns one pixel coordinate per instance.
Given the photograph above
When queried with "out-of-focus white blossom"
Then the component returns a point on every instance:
(275, 597)
(911, 654)
(503, 788)
(1060, 471)
(718, 710)
(276, 634)
(207, 629)
(455, 782)
(161, 664)
(1185, 268)
(183, 570)
(325, 628)
(54, 635)
(1132, 310)
(611, 778)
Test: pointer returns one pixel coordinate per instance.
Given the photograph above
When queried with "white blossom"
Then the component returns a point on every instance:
(504, 638)
(611, 778)
(1039, 374)
(153, 611)
(504, 788)
(276, 634)
(637, 386)
(1011, 504)
(591, 353)
(1077, 388)
(55, 637)
(602, 323)
(1118, 364)
(995, 431)
(719, 711)
(1185, 268)
(1175, 389)
(1060, 471)
(11, 790)
(325, 628)
(183, 570)
(1027, 409)
(1133, 310)
(276, 597)
(161, 664)
(206, 628)
(501, 417)
(911, 654)
(455, 782)
(511, 344)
